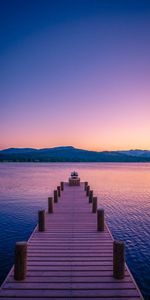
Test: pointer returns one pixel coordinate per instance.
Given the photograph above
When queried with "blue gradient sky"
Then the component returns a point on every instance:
(75, 73)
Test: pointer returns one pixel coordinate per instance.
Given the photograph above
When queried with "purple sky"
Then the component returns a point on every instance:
(75, 73)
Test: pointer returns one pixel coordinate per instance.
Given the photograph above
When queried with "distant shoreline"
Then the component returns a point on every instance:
(79, 162)
(71, 154)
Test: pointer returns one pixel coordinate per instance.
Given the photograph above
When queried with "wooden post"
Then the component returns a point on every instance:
(85, 185)
(41, 220)
(50, 205)
(58, 190)
(118, 259)
(62, 185)
(55, 196)
(20, 267)
(94, 205)
(100, 219)
(88, 190)
(90, 196)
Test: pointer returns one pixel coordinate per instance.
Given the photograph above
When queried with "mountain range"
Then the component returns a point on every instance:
(72, 154)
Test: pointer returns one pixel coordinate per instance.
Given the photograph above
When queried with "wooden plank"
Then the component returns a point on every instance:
(102, 273)
(70, 285)
(70, 267)
(79, 279)
(60, 298)
(68, 263)
(69, 293)
(66, 258)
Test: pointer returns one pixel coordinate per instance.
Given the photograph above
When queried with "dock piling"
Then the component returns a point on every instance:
(41, 223)
(85, 185)
(50, 205)
(20, 267)
(118, 259)
(94, 205)
(88, 190)
(100, 219)
(55, 196)
(58, 190)
(90, 196)
(62, 185)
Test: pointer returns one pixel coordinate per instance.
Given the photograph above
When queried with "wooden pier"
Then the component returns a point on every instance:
(71, 258)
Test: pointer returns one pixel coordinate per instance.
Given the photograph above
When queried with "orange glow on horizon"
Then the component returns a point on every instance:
(77, 145)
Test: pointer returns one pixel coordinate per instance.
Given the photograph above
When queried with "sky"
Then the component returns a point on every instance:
(75, 72)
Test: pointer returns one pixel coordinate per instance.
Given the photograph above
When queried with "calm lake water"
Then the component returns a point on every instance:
(123, 190)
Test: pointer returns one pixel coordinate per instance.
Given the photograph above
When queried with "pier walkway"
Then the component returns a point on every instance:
(70, 259)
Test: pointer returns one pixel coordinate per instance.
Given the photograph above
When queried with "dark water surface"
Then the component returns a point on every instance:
(123, 190)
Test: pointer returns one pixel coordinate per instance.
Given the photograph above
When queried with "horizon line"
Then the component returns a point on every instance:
(114, 150)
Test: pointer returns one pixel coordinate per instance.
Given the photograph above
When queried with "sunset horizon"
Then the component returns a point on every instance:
(100, 149)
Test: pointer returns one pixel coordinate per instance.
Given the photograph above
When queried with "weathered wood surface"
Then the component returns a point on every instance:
(71, 259)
